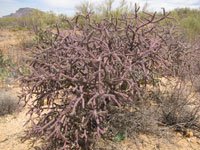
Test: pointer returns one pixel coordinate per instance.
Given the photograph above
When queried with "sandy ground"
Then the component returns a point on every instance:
(12, 129)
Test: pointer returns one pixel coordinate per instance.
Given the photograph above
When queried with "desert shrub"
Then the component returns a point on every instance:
(8, 70)
(4, 66)
(3, 61)
(189, 68)
(174, 109)
(191, 27)
(132, 121)
(179, 111)
(8, 102)
(158, 114)
(188, 21)
(27, 41)
(83, 75)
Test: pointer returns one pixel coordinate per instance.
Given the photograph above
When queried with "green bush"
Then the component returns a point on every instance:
(191, 26)
(4, 66)
(34, 21)
(188, 20)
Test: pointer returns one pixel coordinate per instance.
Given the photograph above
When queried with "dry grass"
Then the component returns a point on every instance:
(13, 43)
(8, 37)
(13, 46)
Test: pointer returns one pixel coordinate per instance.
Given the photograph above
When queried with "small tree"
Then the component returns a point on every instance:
(94, 67)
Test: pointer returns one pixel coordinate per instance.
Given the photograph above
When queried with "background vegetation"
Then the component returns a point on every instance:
(34, 21)
(186, 18)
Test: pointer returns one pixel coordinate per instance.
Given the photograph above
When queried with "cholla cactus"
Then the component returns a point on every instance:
(96, 66)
